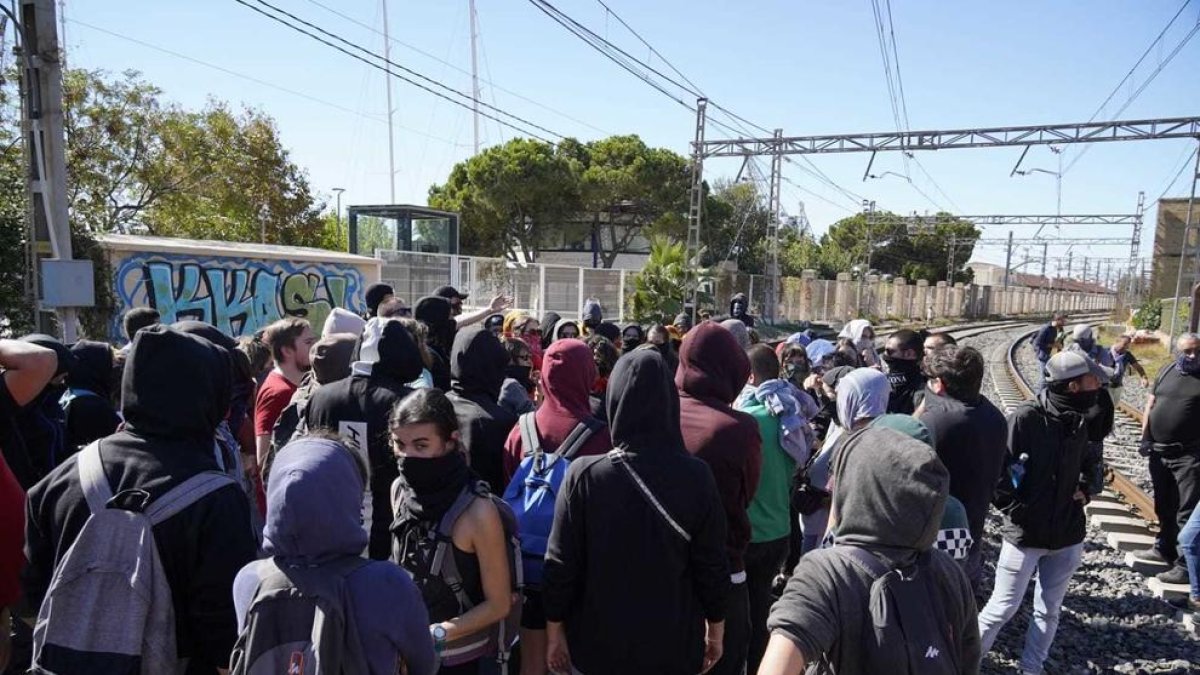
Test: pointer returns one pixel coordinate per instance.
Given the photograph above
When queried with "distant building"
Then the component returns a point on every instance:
(587, 239)
(1168, 246)
(987, 274)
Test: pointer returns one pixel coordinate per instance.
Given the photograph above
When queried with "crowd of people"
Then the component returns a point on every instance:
(422, 490)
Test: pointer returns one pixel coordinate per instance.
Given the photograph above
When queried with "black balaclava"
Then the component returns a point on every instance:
(376, 293)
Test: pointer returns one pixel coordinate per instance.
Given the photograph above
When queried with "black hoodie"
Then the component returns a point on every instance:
(90, 414)
(358, 408)
(633, 594)
(175, 390)
(435, 312)
(477, 368)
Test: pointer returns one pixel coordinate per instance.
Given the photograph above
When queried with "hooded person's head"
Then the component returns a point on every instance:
(568, 374)
(549, 321)
(477, 363)
(712, 365)
(386, 349)
(376, 294)
(344, 321)
(739, 306)
(817, 350)
(889, 491)
(1084, 337)
(93, 368)
(862, 395)
(683, 322)
(331, 357)
(860, 332)
(740, 333)
(642, 405)
(631, 337)
(592, 313)
(565, 329)
(175, 385)
(609, 331)
(314, 502)
(434, 311)
(494, 324)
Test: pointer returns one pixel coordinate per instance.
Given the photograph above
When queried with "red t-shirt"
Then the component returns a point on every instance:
(273, 396)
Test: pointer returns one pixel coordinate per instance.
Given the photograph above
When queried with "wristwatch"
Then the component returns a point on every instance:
(438, 632)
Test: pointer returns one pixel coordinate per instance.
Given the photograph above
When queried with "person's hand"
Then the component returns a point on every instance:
(714, 645)
(558, 656)
(1145, 382)
(813, 382)
(499, 303)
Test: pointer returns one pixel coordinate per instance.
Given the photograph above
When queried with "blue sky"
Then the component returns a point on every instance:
(808, 67)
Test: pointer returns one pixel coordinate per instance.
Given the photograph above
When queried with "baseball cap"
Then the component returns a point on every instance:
(1065, 366)
(449, 293)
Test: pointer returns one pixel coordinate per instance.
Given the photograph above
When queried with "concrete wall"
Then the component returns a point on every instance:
(239, 288)
(1168, 244)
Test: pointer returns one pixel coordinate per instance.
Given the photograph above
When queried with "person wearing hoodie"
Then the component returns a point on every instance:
(517, 392)
(375, 296)
(968, 435)
(712, 371)
(435, 312)
(781, 412)
(740, 332)
(824, 621)
(1083, 341)
(591, 316)
(175, 391)
(494, 324)
(87, 403)
(548, 322)
(605, 355)
(565, 329)
(358, 407)
(861, 336)
(34, 434)
(1041, 494)
(566, 382)
(313, 514)
(739, 308)
(522, 326)
(665, 614)
(343, 321)
(632, 337)
(477, 366)
(902, 356)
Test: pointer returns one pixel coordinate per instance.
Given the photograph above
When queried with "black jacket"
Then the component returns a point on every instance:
(175, 391)
(1042, 512)
(477, 370)
(434, 312)
(90, 417)
(358, 408)
(633, 594)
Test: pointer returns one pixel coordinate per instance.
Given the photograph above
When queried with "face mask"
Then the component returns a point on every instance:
(518, 373)
(796, 373)
(1079, 402)
(1188, 366)
(630, 343)
(1086, 345)
(904, 366)
(429, 474)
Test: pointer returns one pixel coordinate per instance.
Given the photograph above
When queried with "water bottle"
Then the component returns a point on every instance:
(1016, 471)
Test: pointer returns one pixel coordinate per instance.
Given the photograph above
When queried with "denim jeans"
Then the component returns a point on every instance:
(1014, 570)
(1189, 548)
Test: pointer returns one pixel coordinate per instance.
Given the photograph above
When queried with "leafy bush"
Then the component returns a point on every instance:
(1149, 315)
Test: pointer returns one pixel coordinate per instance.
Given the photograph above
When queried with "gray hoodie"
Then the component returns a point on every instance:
(888, 498)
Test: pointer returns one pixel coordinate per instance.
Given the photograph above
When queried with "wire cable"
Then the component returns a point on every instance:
(1186, 162)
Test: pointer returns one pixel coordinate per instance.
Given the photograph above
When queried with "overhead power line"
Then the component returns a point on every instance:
(446, 89)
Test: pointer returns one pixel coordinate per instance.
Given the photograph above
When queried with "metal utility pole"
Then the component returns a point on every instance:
(869, 208)
(338, 215)
(773, 214)
(45, 138)
(387, 77)
(1183, 249)
(1045, 256)
(1070, 261)
(474, 72)
(1008, 260)
(1135, 247)
(696, 206)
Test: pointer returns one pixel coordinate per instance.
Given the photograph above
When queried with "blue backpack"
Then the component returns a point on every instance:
(535, 485)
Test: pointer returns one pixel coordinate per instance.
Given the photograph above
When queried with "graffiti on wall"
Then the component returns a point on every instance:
(237, 295)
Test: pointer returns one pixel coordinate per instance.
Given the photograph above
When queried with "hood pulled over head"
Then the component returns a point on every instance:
(741, 334)
(643, 405)
(386, 349)
(343, 321)
(712, 365)
(314, 502)
(477, 363)
(175, 384)
(854, 330)
(331, 357)
(435, 312)
(861, 394)
(568, 374)
(889, 493)
(93, 368)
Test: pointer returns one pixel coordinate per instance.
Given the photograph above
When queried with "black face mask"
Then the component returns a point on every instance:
(796, 373)
(904, 366)
(630, 343)
(429, 475)
(519, 373)
(1079, 402)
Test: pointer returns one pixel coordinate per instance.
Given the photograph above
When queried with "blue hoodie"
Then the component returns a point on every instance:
(313, 516)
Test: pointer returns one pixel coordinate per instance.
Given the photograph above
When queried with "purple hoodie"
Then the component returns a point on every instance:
(313, 515)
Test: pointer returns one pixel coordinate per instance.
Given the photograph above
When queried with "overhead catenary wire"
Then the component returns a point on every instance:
(1186, 163)
(428, 88)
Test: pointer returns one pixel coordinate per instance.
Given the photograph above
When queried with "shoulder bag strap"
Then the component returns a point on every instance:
(529, 434)
(92, 480)
(617, 456)
(187, 493)
(574, 442)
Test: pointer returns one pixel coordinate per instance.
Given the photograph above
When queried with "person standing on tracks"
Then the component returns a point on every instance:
(902, 357)
(1047, 341)
(1041, 494)
(1171, 439)
(1123, 359)
(968, 436)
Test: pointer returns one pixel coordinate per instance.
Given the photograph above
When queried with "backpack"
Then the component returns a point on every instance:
(301, 622)
(910, 632)
(426, 551)
(534, 487)
(113, 570)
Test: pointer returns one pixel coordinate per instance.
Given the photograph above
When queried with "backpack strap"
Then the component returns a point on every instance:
(92, 480)
(530, 441)
(578, 437)
(617, 456)
(444, 564)
(186, 493)
(869, 562)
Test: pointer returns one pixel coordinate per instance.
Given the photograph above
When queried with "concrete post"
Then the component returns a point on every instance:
(957, 296)
(920, 299)
(939, 300)
(871, 301)
(842, 297)
(900, 305)
(807, 279)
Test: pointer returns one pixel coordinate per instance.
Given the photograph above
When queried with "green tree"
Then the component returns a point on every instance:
(922, 254)
(660, 289)
(510, 194)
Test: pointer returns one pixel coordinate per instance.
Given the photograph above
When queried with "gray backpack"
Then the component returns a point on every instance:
(301, 622)
(108, 608)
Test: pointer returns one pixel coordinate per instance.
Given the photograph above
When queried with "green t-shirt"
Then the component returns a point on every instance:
(770, 516)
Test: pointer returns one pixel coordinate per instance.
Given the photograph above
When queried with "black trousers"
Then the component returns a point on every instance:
(763, 562)
(737, 633)
(1176, 482)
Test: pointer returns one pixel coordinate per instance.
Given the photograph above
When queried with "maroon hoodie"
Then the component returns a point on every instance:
(712, 371)
(568, 375)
